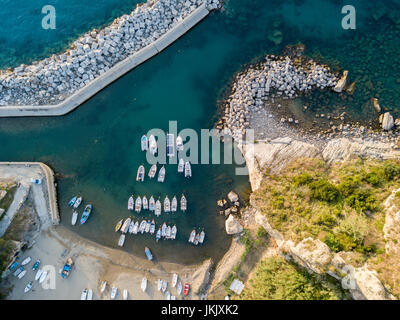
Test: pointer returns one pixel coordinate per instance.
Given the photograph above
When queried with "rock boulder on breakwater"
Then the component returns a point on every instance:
(53, 79)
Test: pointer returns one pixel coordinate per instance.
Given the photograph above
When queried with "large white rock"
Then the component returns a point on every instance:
(387, 122)
(232, 226)
(342, 82)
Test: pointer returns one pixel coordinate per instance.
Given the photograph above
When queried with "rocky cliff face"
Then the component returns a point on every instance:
(391, 228)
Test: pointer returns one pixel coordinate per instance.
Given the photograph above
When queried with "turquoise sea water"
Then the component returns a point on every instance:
(96, 149)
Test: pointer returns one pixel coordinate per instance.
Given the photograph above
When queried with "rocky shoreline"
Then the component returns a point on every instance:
(54, 79)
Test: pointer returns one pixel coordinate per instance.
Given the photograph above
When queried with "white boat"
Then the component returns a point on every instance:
(159, 284)
(26, 261)
(138, 204)
(142, 226)
(144, 143)
(84, 294)
(202, 236)
(140, 173)
(74, 218)
(174, 230)
(114, 292)
(161, 174)
(179, 288)
(135, 228)
(188, 169)
(131, 203)
(158, 208)
(145, 203)
(22, 274)
(174, 204)
(196, 239)
(170, 145)
(158, 234)
(174, 280)
(125, 294)
(164, 230)
(43, 276)
(148, 225)
(125, 226)
(168, 232)
(131, 226)
(179, 143)
(152, 227)
(152, 204)
(90, 295)
(181, 165)
(77, 202)
(103, 286)
(28, 287)
(38, 274)
(121, 240)
(192, 236)
(164, 286)
(152, 145)
(143, 286)
(153, 171)
(167, 204)
(168, 296)
(183, 203)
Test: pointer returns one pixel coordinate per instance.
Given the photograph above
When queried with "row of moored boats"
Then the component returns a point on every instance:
(155, 206)
(183, 166)
(75, 203)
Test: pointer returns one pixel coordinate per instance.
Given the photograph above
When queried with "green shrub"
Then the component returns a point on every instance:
(348, 185)
(374, 177)
(302, 179)
(391, 171)
(362, 200)
(324, 190)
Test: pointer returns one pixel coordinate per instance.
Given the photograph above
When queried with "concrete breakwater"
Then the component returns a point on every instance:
(60, 83)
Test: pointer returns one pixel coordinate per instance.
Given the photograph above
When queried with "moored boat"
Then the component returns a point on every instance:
(188, 169)
(28, 287)
(89, 295)
(179, 288)
(164, 286)
(131, 203)
(152, 227)
(138, 204)
(135, 228)
(148, 253)
(159, 284)
(103, 286)
(67, 268)
(38, 274)
(174, 204)
(121, 240)
(174, 280)
(84, 294)
(22, 274)
(72, 201)
(164, 230)
(18, 271)
(152, 204)
(142, 226)
(152, 145)
(170, 145)
(158, 234)
(144, 143)
(119, 225)
(125, 226)
(168, 232)
(148, 225)
(196, 239)
(86, 213)
(74, 218)
(158, 208)
(186, 289)
(183, 203)
(26, 261)
(143, 285)
(153, 171)
(192, 236)
(179, 143)
(181, 165)
(77, 202)
(114, 292)
(43, 276)
(145, 203)
(174, 230)
(167, 204)
(202, 236)
(131, 226)
(161, 174)
(168, 295)
(36, 265)
(140, 173)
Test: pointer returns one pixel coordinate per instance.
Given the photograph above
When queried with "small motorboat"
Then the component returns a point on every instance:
(174, 280)
(131, 203)
(145, 203)
(77, 202)
(38, 274)
(179, 143)
(143, 286)
(43, 276)
(174, 230)
(138, 204)
(168, 232)
(181, 165)
(152, 227)
(28, 287)
(148, 225)
(164, 286)
(103, 286)
(140, 173)
(164, 230)
(26, 261)
(148, 253)
(135, 228)
(186, 289)
(131, 226)
(202, 236)
(74, 218)
(86, 213)
(114, 292)
(119, 225)
(168, 296)
(183, 203)
(192, 236)
(167, 204)
(22, 274)
(158, 208)
(179, 288)
(121, 240)
(152, 145)
(153, 171)
(89, 295)
(36, 265)
(142, 226)
(125, 226)
(67, 268)
(196, 239)
(152, 204)
(174, 204)
(144, 143)
(161, 174)
(170, 145)
(72, 201)
(159, 284)
(188, 169)
(158, 234)
(125, 294)
(18, 271)
(13, 266)
(84, 294)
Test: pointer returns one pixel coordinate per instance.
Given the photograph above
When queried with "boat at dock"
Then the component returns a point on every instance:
(188, 170)
(140, 173)
(148, 225)
(28, 287)
(114, 292)
(164, 230)
(135, 228)
(26, 261)
(84, 294)
(119, 225)
(138, 204)
(143, 285)
(43, 276)
(181, 165)
(168, 232)
(158, 208)
(72, 201)
(202, 236)
(22, 274)
(161, 174)
(167, 204)
(38, 274)
(36, 265)
(152, 204)
(131, 203)
(192, 236)
(148, 253)
(174, 280)
(170, 145)
(145, 203)
(196, 239)
(18, 271)
(152, 227)
(121, 240)
(158, 234)
(125, 226)
(77, 202)
(74, 218)
(174, 230)
(144, 143)
(153, 171)
(152, 145)
(174, 204)
(179, 143)
(183, 203)
(86, 213)
(142, 226)
(131, 226)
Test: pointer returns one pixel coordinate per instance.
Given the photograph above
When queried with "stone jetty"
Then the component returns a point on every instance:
(99, 56)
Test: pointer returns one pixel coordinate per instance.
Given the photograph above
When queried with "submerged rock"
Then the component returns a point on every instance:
(233, 197)
(342, 82)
